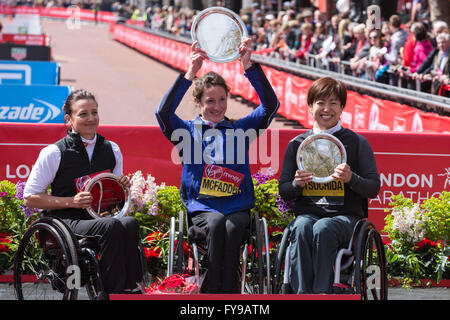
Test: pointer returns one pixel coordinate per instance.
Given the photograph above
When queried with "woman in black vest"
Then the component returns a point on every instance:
(325, 220)
(83, 152)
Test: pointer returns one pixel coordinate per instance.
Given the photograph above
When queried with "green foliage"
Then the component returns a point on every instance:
(269, 204)
(15, 218)
(437, 213)
(168, 204)
(419, 236)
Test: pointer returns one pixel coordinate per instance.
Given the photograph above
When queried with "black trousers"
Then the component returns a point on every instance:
(224, 236)
(119, 258)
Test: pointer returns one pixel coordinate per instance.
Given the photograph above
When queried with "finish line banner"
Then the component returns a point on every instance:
(361, 112)
(415, 165)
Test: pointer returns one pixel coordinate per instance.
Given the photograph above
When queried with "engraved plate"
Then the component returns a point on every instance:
(320, 154)
(110, 198)
(219, 31)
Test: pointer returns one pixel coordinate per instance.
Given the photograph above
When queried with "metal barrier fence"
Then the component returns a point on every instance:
(343, 67)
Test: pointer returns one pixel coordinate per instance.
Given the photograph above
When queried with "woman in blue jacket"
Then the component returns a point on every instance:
(216, 183)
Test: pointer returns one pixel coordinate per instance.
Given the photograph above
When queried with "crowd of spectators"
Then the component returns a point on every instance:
(407, 51)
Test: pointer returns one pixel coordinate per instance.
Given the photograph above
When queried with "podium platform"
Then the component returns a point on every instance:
(234, 297)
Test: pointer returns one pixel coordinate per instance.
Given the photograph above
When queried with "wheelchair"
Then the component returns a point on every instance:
(360, 268)
(254, 272)
(52, 263)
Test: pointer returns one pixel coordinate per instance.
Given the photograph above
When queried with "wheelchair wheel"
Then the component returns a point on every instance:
(371, 277)
(176, 253)
(144, 267)
(91, 275)
(48, 258)
(257, 270)
(279, 284)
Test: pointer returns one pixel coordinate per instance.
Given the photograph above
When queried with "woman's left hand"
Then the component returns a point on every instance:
(245, 52)
(342, 172)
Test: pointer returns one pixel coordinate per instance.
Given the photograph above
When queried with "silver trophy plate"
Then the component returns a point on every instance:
(219, 31)
(320, 154)
(110, 198)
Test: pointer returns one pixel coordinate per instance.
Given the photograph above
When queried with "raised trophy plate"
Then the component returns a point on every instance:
(320, 154)
(219, 31)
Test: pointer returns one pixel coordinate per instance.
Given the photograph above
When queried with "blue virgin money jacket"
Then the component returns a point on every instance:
(225, 145)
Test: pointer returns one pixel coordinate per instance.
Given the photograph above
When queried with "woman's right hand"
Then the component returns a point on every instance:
(302, 177)
(82, 200)
(196, 56)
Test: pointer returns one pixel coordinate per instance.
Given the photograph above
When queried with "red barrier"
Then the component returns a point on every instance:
(416, 165)
(361, 112)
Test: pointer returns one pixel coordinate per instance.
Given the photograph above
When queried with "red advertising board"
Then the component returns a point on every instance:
(415, 165)
(26, 39)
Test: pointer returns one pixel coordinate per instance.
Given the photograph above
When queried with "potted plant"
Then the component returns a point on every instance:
(419, 233)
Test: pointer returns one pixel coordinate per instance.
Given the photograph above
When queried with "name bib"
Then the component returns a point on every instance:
(330, 193)
(218, 181)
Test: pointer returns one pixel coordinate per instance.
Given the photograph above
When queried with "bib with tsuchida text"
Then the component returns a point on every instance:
(330, 193)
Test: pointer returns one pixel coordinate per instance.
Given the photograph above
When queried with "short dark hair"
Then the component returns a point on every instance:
(326, 87)
(208, 80)
(74, 96)
(420, 32)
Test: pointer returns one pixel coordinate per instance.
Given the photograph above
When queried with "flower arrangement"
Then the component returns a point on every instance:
(15, 218)
(269, 204)
(419, 233)
(153, 205)
(174, 284)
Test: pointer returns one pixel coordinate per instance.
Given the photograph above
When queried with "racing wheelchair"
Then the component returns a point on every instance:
(254, 271)
(52, 263)
(360, 268)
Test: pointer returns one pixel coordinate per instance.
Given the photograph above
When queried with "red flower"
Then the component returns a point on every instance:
(387, 242)
(156, 235)
(425, 243)
(152, 252)
(4, 238)
(176, 283)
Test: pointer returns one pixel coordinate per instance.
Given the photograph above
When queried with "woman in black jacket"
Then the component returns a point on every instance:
(326, 214)
(84, 152)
